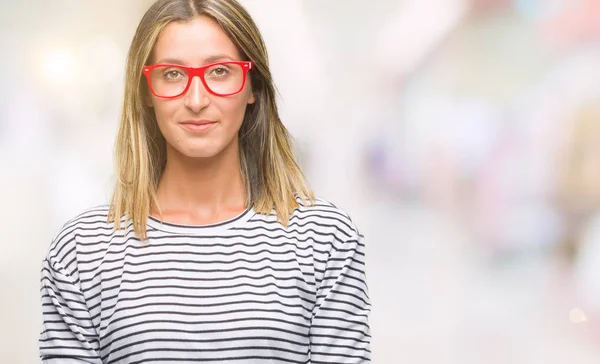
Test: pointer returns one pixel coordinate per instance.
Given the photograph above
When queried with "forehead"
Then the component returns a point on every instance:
(193, 42)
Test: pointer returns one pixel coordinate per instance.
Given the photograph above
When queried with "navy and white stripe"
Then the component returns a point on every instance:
(248, 290)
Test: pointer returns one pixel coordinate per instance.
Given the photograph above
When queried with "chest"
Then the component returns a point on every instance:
(200, 301)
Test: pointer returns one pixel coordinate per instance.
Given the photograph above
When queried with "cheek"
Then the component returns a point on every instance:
(234, 108)
(232, 111)
(164, 111)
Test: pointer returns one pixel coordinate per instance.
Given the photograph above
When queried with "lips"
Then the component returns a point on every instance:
(198, 126)
(198, 122)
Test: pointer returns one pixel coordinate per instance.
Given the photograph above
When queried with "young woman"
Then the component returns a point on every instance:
(213, 248)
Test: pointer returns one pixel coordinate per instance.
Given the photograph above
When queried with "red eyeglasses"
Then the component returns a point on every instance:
(169, 81)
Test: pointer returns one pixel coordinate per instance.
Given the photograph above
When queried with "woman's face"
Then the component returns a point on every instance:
(195, 44)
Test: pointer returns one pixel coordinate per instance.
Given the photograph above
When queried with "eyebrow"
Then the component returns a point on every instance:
(208, 60)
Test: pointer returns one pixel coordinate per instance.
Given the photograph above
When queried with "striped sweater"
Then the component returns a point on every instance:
(247, 290)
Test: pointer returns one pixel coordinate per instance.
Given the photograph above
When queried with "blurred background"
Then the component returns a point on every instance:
(462, 136)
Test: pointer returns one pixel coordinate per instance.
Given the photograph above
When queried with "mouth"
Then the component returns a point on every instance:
(197, 126)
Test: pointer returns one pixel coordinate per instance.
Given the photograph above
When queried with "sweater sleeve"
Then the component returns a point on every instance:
(340, 330)
(68, 335)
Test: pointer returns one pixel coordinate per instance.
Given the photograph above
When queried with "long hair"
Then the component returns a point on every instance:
(272, 176)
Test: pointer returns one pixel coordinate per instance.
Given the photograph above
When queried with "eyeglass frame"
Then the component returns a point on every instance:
(193, 72)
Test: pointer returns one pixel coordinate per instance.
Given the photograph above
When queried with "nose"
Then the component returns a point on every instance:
(196, 98)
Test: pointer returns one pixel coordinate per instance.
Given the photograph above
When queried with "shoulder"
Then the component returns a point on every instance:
(326, 213)
(91, 222)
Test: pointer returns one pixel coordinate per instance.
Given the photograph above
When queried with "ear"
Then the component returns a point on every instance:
(251, 99)
(148, 100)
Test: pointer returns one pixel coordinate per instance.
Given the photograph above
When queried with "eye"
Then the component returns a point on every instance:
(173, 74)
(219, 72)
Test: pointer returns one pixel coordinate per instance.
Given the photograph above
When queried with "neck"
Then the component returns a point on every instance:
(201, 191)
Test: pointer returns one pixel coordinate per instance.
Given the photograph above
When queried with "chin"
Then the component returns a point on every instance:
(200, 151)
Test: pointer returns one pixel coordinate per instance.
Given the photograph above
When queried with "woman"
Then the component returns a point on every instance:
(213, 248)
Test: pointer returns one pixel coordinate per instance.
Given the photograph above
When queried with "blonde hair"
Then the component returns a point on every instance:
(273, 178)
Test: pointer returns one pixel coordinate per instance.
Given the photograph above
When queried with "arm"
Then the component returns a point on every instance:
(340, 330)
(68, 335)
